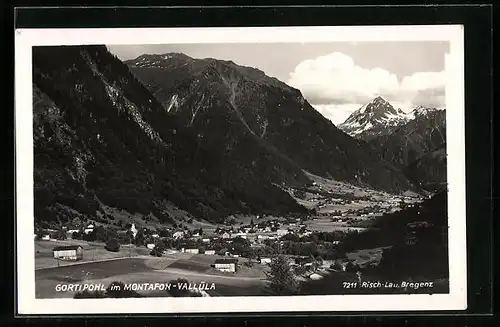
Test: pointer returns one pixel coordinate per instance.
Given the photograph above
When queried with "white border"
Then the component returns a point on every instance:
(26, 38)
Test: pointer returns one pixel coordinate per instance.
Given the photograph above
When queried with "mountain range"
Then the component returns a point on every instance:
(168, 135)
(225, 103)
(414, 141)
(379, 117)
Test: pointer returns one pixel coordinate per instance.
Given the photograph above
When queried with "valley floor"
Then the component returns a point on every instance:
(339, 207)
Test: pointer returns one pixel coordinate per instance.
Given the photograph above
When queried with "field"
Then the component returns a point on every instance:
(133, 264)
(146, 269)
(92, 252)
(326, 225)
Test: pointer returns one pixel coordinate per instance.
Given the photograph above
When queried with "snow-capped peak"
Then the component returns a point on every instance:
(378, 114)
(421, 111)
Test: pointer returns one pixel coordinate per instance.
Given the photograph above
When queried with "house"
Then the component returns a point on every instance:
(226, 235)
(177, 235)
(281, 232)
(150, 246)
(71, 252)
(226, 265)
(315, 276)
(193, 251)
(155, 236)
(88, 230)
(46, 237)
(265, 260)
(262, 237)
(206, 240)
(210, 252)
(242, 235)
(70, 232)
(305, 261)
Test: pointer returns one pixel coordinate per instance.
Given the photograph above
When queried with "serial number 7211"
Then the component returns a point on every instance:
(349, 284)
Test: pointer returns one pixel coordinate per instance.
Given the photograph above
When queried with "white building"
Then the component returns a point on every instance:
(210, 252)
(72, 252)
(178, 235)
(133, 230)
(150, 246)
(281, 232)
(193, 251)
(46, 237)
(206, 240)
(242, 235)
(226, 265)
(265, 260)
(315, 276)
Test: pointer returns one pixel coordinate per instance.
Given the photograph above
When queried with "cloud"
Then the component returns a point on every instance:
(335, 81)
(430, 97)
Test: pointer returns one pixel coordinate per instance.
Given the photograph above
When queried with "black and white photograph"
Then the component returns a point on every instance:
(246, 170)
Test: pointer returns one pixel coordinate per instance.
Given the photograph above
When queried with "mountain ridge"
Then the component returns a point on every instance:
(111, 143)
(274, 113)
(373, 119)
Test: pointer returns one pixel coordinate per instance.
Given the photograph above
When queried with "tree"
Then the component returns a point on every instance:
(112, 245)
(98, 234)
(61, 234)
(158, 250)
(129, 236)
(282, 280)
(76, 222)
(139, 238)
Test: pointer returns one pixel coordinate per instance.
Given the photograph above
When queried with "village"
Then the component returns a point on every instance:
(241, 247)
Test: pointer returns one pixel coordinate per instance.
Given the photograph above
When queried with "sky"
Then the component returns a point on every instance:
(336, 78)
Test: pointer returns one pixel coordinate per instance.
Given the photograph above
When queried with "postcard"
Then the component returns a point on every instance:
(259, 169)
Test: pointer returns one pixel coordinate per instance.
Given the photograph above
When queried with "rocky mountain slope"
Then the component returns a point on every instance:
(429, 170)
(414, 141)
(421, 135)
(102, 140)
(418, 147)
(241, 113)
